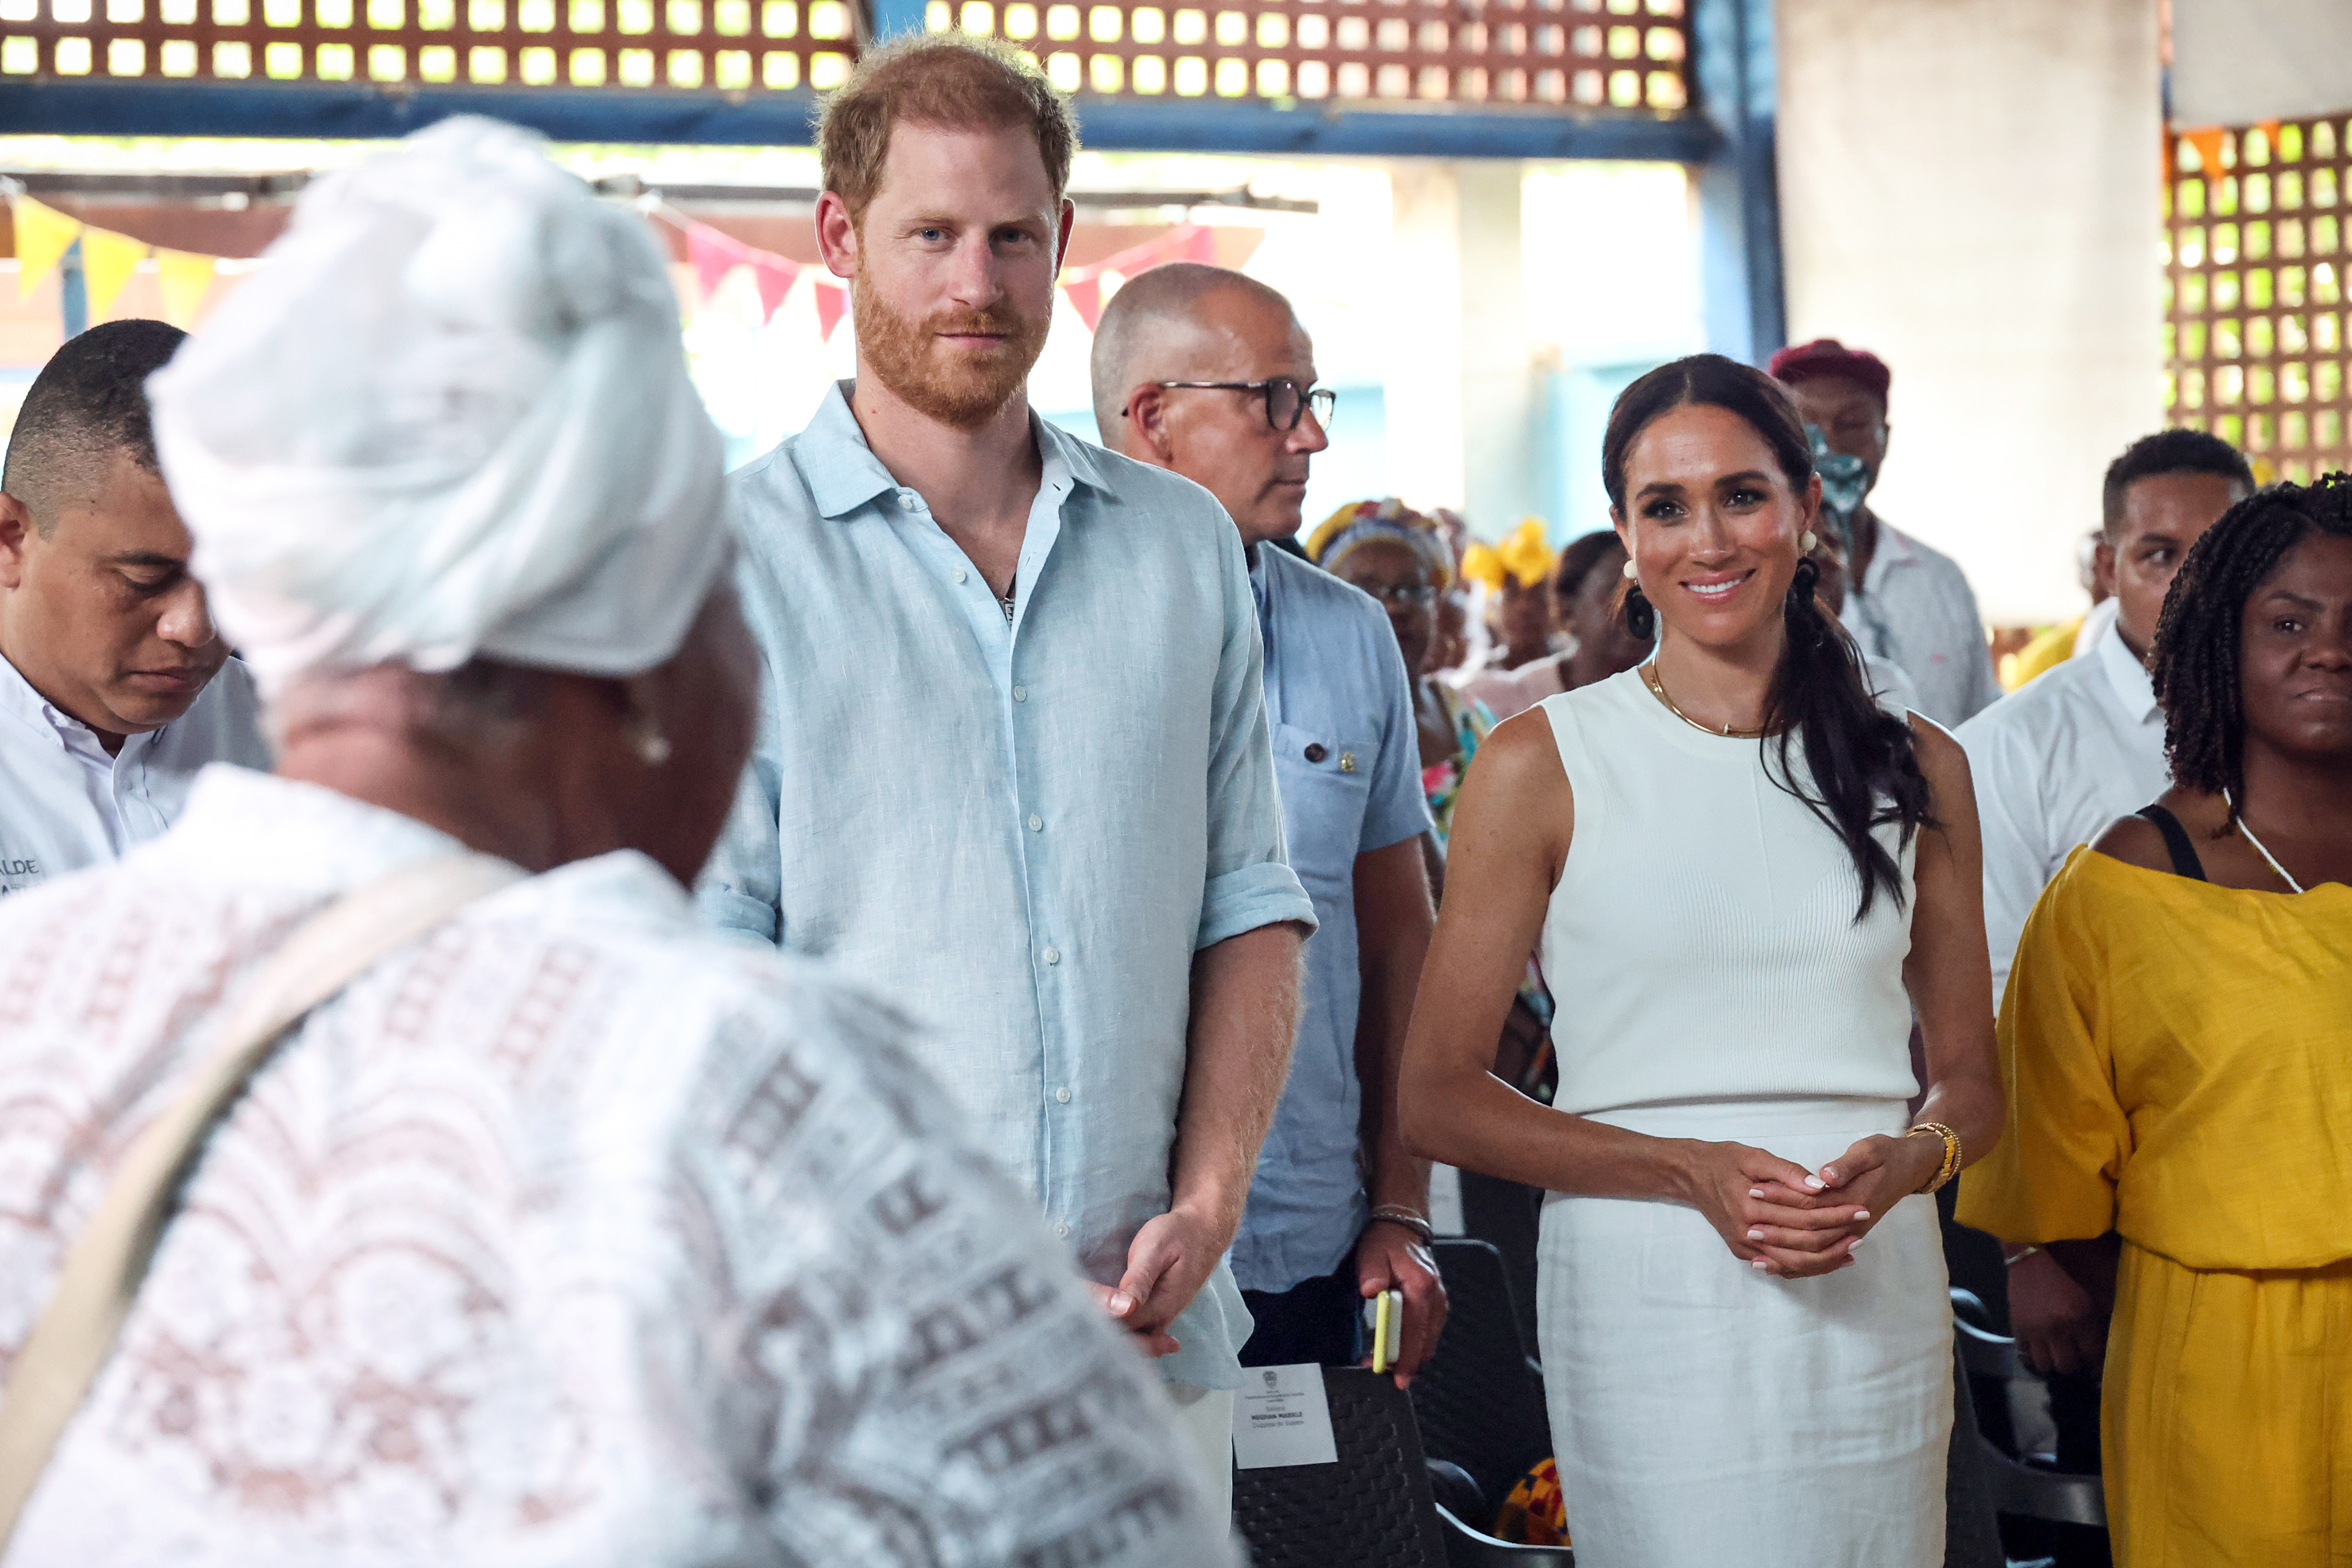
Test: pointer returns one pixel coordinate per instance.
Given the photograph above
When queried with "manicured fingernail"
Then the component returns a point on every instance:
(1754, 1236)
(1759, 1264)
(1120, 1303)
(1854, 1246)
(1814, 1182)
(1755, 1191)
(1862, 1214)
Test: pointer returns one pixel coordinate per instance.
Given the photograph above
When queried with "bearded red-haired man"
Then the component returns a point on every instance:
(1015, 774)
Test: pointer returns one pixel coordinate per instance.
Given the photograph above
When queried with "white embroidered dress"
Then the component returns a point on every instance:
(568, 1234)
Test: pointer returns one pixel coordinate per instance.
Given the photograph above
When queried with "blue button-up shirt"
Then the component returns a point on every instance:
(1020, 833)
(1347, 752)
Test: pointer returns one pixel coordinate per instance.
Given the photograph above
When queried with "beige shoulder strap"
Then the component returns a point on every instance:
(103, 1272)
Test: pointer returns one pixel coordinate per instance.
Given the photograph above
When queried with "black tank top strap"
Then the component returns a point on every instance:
(2185, 862)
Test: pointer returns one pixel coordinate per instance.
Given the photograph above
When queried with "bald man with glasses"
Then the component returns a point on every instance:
(1207, 372)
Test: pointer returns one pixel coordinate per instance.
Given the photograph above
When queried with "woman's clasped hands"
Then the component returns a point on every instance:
(1781, 1218)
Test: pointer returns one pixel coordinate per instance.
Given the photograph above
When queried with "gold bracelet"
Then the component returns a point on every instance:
(1951, 1165)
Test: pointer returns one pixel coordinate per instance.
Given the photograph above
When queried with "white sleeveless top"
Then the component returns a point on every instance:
(1701, 944)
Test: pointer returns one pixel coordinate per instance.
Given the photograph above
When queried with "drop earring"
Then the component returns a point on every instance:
(1633, 573)
(1808, 541)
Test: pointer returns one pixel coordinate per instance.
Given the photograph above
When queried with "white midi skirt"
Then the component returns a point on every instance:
(1704, 1415)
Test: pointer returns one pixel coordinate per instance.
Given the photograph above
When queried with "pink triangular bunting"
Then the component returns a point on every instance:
(775, 277)
(832, 304)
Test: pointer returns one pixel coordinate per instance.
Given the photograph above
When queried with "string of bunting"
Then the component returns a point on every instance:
(714, 255)
(44, 235)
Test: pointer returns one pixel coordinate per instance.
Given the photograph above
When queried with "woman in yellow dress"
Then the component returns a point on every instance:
(2176, 1041)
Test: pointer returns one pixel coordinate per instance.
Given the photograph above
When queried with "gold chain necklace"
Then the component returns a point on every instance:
(1657, 685)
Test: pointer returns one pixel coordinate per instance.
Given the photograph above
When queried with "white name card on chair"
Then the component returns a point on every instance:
(1282, 1417)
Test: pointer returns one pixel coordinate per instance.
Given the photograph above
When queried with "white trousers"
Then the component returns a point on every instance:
(1704, 1413)
(1205, 1418)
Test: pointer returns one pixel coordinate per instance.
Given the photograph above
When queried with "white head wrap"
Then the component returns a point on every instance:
(448, 416)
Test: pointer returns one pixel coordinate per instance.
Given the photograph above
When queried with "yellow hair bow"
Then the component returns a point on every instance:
(1526, 556)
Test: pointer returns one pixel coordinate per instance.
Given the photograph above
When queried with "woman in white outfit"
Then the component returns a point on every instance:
(1745, 876)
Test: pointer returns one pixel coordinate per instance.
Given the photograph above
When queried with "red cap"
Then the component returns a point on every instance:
(1827, 356)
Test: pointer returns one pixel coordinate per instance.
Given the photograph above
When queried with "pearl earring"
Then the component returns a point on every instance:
(644, 737)
(1631, 571)
(1807, 541)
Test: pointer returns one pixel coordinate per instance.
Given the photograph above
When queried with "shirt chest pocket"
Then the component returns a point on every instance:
(1326, 788)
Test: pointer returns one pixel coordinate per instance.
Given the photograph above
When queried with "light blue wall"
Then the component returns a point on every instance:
(1575, 414)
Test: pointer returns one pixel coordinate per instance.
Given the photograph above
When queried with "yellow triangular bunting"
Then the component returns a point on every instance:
(43, 237)
(108, 260)
(186, 278)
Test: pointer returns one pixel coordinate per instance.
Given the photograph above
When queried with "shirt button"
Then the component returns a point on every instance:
(1062, 1096)
(908, 499)
(1062, 1230)
(962, 575)
(1036, 823)
(1052, 955)
(1020, 694)
(1315, 752)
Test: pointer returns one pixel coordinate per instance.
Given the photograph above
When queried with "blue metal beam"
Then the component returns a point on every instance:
(335, 109)
(338, 110)
(1737, 79)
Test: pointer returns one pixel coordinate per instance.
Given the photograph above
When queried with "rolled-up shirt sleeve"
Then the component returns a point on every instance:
(1398, 809)
(1249, 882)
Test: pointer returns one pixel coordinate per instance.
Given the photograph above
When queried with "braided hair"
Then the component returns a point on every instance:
(1864, 765)
(2195, 659)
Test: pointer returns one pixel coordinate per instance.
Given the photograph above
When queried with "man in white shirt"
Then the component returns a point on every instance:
(1908, 604)
(2083, 743)
(2054, 764)
(114, 686)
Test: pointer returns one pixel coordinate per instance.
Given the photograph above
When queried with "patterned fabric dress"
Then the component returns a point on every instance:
(1442, 781)
(568, 1234)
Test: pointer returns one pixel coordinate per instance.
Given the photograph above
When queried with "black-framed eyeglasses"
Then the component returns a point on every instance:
(1285, 397)
(1419, 595)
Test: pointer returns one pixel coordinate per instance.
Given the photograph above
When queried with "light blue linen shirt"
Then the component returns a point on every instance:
(1347, 752)
(1020, 833)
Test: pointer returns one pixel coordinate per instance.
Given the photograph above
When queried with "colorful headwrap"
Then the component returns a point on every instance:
(1827, 356)
(1525, 557)
(1369, 521)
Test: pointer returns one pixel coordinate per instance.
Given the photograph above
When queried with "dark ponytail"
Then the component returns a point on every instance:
(1863, 767)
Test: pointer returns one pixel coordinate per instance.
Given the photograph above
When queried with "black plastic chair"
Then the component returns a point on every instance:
(2021, 1490)
(1372, 1509)
(1510, 1216)
(1480, 1400)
